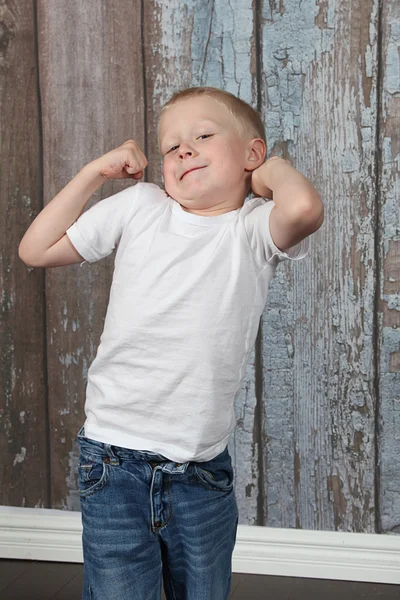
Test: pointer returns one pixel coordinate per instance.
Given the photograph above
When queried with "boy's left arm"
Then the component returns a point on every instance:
(298, 210)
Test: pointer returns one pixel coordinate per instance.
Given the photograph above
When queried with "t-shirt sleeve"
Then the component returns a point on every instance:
(261, 242)
(98, 230)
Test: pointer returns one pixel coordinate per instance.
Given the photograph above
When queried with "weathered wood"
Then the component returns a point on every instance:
(207, 43)
(319, 90)
(23, 419)
(388, 225)
(91, 83)
(313, 407)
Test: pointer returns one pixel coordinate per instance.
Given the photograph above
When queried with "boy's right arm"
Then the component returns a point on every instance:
(45, 244)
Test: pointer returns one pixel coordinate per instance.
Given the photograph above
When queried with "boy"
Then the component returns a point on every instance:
(190, 283)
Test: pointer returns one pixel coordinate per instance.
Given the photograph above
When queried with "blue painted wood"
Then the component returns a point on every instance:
(316, 442)
(388, 281)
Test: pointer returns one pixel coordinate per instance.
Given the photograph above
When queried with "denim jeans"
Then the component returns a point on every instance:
(147, 519)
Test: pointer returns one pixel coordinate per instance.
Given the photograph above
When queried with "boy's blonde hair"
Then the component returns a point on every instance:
(249, 123)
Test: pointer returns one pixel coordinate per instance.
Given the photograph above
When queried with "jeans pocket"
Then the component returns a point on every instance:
(220, 481)
(216, 474)
(93, 474)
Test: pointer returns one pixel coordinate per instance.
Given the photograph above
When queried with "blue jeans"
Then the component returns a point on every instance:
(146, 517)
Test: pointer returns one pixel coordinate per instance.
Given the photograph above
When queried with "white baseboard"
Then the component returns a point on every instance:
(56, 535)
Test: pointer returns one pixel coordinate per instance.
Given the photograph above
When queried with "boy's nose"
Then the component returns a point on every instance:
(186, 150)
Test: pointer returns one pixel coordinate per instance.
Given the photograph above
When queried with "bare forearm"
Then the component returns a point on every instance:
(289, 189)
(63, 210)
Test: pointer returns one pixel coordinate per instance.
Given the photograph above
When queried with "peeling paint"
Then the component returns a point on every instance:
(389, 292)
(319, 104)
(315, 410)
(335, 485)
(19, 458)
(71, 357)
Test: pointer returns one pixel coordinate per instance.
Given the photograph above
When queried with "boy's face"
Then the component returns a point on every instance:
(198, 133)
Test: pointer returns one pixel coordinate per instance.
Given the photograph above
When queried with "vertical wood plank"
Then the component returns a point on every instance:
(91, 83)
(319, 87)
(23, 438)
(389, 271)
(208, 43)
(311, 382)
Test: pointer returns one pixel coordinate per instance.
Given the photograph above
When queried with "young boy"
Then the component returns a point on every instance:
(190, 283)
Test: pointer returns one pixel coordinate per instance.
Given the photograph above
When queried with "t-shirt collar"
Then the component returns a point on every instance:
(183, 215)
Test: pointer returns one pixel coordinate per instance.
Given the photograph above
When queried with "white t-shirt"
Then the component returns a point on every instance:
(185, 303)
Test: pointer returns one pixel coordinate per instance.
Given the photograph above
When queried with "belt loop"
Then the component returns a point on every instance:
(112, 458)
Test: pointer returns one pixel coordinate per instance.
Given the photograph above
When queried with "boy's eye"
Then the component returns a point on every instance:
(200, 136)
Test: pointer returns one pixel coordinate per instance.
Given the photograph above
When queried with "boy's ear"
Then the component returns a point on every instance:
(255, 154)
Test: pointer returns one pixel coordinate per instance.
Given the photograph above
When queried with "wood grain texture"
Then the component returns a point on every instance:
(316, 444)
(91, 85)
(319, 101)
(208, 43)
(388, 240)
(23, 410)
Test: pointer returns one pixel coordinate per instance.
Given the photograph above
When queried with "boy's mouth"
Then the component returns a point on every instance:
(190, 170)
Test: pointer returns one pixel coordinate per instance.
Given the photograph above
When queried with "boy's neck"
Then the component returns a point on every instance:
(210, 212)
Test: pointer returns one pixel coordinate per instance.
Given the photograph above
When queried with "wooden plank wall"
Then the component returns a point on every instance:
(317, 439)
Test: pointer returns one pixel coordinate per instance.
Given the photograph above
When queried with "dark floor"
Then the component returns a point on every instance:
(39, 580)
